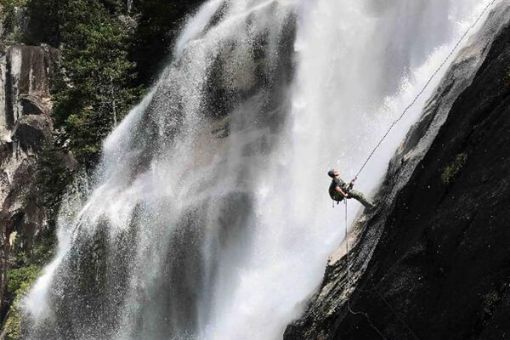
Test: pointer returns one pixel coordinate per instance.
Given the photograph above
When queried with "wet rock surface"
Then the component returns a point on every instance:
(432, 261)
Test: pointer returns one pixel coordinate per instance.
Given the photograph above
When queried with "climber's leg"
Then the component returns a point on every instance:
(358, 196)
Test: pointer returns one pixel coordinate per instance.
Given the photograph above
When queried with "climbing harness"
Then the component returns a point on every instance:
(408, 107)
(348, 189)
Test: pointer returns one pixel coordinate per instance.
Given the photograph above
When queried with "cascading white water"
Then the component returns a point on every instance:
(209, 217)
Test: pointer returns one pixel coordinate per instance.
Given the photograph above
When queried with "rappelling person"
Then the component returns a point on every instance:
(339, 190)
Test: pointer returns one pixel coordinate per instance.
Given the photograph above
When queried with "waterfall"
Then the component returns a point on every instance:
(208, 217)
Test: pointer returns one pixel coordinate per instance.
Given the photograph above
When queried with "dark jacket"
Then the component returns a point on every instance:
(335, 195)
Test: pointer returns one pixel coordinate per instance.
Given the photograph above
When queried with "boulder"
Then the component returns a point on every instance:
(32, 132)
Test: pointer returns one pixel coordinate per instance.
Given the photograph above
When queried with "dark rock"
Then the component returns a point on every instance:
(32, 105)
(432, 262)
(32, 132)
(27, 77)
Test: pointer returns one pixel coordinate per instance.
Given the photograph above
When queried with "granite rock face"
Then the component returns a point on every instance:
(432, 262)
(25, 126)
(26, 77)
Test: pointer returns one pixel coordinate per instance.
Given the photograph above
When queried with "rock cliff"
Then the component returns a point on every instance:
(25, 126)
(432, 261)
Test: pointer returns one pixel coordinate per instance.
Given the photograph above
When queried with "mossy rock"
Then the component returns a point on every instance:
(452, 170)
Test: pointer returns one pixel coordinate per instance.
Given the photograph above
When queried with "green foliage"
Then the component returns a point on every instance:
(490, 300)
(10, 5)
(19, 282)
(20, 278)
(53, 174)
(97, 93)
(452, 170)
(10, 10)
(47, 18)
(44, 22)
(44, 249)
(158, 25)
(107, 59)
(94, 88)
(13, 322)
(94, 92)
(115, 6)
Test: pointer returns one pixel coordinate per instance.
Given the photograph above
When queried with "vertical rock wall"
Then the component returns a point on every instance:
(25, 126)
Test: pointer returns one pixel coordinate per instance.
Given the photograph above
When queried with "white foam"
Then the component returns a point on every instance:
(358, 64)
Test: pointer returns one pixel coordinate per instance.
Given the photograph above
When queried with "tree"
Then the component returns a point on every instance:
(95, 89)
(158, 26)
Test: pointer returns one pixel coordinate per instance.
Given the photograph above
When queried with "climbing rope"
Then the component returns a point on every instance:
(348, 283)
(372, 153)
(408, 107)
(372, 290)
